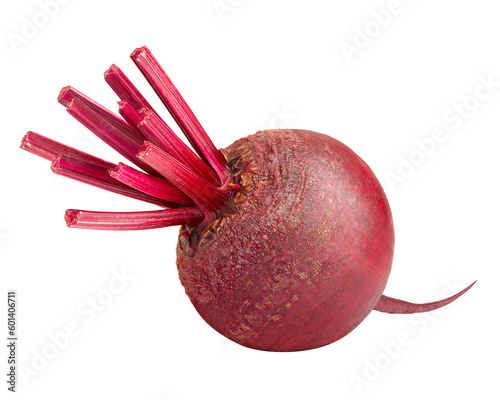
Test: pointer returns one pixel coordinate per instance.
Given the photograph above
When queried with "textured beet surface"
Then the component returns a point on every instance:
(308, 254)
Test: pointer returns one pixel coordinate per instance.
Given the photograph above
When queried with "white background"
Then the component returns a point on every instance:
(255, 65)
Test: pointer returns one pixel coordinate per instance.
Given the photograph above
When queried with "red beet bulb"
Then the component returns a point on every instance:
(286, 238)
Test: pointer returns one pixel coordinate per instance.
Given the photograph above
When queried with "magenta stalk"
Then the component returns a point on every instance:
(125, 89)
(175, 176)
(50, 149)
(99, 176)
(208, 198)
(156, 187)
(161, 135)
(68, 93)
(180, 111)
(109, 132)
(132, 220)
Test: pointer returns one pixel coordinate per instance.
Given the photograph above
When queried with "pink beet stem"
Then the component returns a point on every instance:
(137, 111)
(394, 306)
(69, 93)
(179, 110)
(50, 149)
(125, 89)
(132, 220)
(109, 132)
(209, 198)
(131, 98)
(128, 113)
(159, 133)
(157, 187)
(98, 176)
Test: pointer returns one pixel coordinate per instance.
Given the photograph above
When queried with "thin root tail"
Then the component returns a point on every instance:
(394, 306)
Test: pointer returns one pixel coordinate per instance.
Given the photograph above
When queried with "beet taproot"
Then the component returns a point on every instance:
(286, 238)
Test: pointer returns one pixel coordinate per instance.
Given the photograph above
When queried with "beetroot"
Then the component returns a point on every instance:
(286, 239)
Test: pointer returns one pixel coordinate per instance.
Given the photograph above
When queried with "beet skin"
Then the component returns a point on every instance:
(308, 253)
